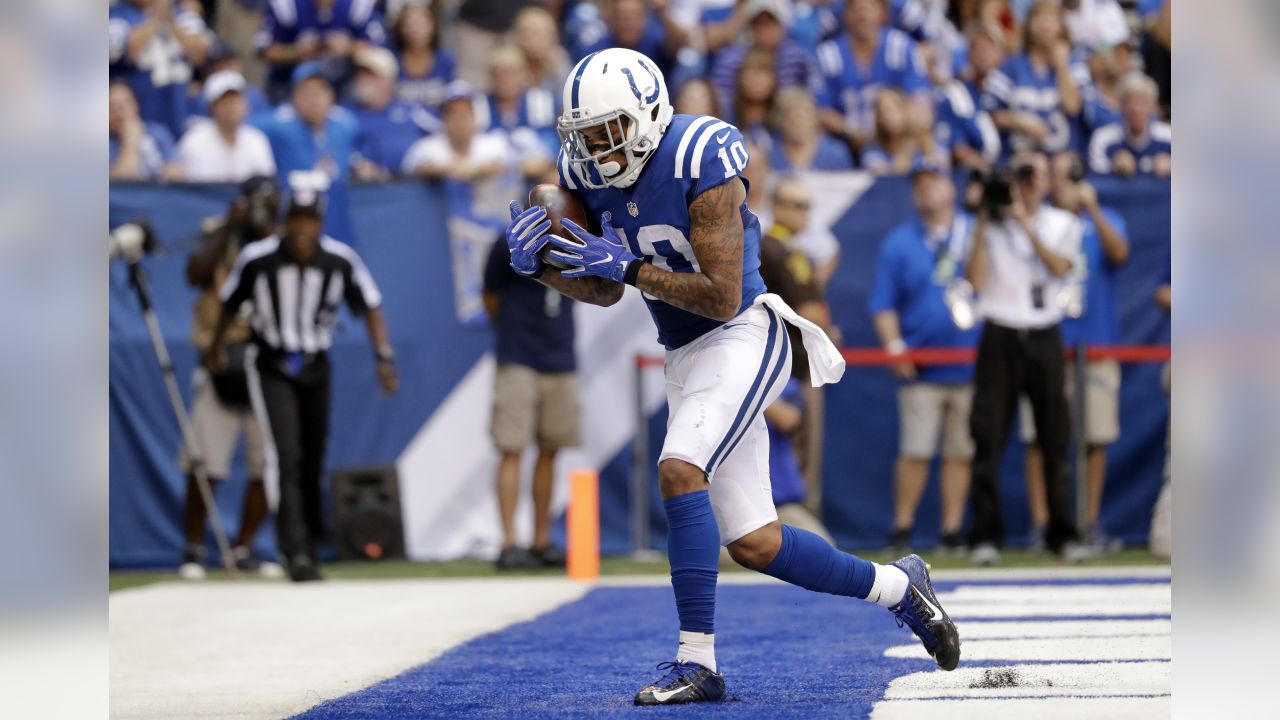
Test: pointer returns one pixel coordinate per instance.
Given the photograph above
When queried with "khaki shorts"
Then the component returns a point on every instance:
(216, 429)
(531, 406)
(928, 411)
(1102, 404)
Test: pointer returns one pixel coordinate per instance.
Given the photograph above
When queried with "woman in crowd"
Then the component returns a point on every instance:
(539, 40)
(753, 92)
(697, 97)
(895, 148)
(425, 70)
(799, 143)
(1035, 96)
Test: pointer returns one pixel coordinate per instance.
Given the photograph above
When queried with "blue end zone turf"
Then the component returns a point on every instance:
(785, 653)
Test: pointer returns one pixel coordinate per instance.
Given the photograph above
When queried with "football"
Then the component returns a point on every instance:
(560, 204)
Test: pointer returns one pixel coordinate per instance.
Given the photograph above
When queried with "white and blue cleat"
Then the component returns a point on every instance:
(921, 611)
(684, 682)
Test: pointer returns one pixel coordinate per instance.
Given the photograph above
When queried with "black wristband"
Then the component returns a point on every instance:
(633, 272)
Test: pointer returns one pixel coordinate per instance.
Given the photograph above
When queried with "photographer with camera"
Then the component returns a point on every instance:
(1022, 253)
(220, 409)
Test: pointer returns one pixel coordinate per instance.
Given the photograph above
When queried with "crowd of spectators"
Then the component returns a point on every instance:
(351, 87)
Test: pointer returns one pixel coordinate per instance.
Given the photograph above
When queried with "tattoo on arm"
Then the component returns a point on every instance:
(593, 290)
(715, 232)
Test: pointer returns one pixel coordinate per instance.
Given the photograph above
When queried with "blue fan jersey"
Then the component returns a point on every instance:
(697, 153)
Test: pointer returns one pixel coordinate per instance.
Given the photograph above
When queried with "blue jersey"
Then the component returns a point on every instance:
(156, 149)
(536, 111)
(1019, 86)
(962, 122)
(912, 275)
(1111, 139)
(427, 90)
(1097, 111)
(159, 76)
(297, 147)
(289, 21)
(851, 89)
(832, 155)
(386, 135)
(697, 153)
(1099, 325)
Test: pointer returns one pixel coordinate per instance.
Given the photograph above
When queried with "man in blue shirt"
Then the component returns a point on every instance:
(1103, 249)
(310, 133)
(298, 31)
(535, 397)
(153, 48)
(856, 65)
(1140, 144)
(388, 126)
(914, 305)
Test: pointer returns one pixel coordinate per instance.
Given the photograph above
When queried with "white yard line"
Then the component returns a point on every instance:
(270, 650)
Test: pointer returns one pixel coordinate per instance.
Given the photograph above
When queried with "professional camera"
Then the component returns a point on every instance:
(997, 187)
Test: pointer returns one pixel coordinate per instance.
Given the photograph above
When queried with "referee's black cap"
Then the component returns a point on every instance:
(260, 185)
(305, 202)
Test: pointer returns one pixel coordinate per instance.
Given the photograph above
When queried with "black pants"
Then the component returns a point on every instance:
(1011, 362)
(297, 407)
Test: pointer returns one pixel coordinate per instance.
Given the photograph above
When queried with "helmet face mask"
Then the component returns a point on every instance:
(615, 102)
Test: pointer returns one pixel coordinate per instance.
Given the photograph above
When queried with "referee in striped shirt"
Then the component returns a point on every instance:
(295, 282)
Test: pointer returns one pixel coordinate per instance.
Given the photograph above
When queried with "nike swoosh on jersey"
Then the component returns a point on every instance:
(720, 138)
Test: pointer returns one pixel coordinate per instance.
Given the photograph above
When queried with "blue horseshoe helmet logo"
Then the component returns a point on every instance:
(631, 79)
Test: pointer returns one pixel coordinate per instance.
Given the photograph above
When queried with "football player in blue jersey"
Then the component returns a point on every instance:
(668, 193)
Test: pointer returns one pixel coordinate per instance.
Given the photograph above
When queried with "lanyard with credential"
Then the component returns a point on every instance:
(948, 256)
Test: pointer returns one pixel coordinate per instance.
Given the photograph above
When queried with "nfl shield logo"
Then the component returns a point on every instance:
(633, 209)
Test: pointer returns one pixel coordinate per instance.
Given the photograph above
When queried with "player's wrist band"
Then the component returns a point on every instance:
(633, 272)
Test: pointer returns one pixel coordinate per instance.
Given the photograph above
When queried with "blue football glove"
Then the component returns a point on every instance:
(587, 255)
(526, 235)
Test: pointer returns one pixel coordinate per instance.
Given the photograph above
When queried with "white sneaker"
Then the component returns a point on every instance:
(984, 554)
(1074, 553)
(191, 571)
(271, 570)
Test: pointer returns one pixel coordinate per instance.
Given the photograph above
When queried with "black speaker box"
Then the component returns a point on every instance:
(367, 523)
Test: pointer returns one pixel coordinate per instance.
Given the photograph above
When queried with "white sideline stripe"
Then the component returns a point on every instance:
(1064, 629)
(979, 601)
(1056, 708)
(1114, 648)
(271, 649)
(1141, 678)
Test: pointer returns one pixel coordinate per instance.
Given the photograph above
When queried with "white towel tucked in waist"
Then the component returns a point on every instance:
(826, 365)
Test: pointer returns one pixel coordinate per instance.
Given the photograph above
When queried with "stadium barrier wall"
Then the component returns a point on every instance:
(436, 427)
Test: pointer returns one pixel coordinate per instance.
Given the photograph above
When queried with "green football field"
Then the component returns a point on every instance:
(401, 569)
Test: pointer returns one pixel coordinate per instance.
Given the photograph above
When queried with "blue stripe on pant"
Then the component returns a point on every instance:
(756, 395)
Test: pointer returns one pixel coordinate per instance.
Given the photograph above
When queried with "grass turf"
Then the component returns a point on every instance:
(400, 569)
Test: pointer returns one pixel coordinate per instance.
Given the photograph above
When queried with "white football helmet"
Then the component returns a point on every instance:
(624, 92)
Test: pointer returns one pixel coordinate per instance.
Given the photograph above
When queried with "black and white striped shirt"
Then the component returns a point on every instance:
(294, 306)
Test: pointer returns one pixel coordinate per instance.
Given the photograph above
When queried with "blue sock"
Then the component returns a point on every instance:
(812, 563)
(693, 547)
